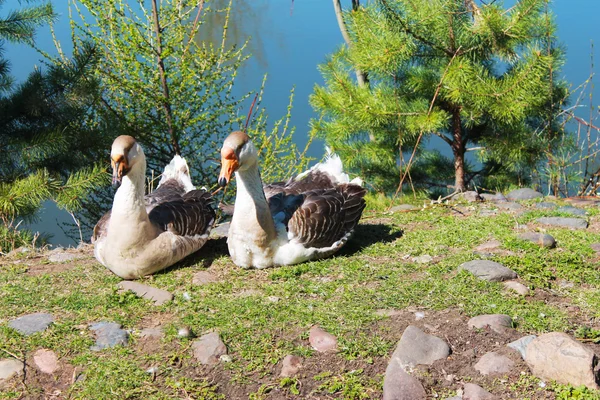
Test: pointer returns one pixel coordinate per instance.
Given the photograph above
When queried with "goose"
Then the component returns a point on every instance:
(307, 217)
(141, 235)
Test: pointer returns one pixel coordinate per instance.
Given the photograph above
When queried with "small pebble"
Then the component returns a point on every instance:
(226, 358)
(152, 370)
(419, 315)
(185, 332)
(187, 296)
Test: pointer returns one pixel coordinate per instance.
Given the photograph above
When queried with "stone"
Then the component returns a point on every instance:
(63, 257)
(521, 344)
(220, 231)
(523, 194)
(543, 239)
(497, 322)
(290, 366)
(489, 245)
(454, 398)
(417, 347)
(545, 205)
(209, 348)
(152, 333)
(556, 356)
(10, 367)
(488, 270)
(424, 259)
(493, 363)
(471, 196)
(595, 247)
(404, 208)
(203, 278)
(572, 210)
(511, 206)
(322, 341)
(46, 361)
(158, 296)
(399, 385)
(31, 323)
(185, 332)
(517, 287)
(108, 334)
(576, 223)
(495, 198)
(472, 391)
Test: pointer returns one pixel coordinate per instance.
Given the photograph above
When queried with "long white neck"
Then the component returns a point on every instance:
(251, 208)
(129, 220)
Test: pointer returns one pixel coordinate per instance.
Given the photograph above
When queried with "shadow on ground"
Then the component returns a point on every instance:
(366, 235)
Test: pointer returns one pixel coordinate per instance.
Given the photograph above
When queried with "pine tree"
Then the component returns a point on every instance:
(470, 74)
(47, 149)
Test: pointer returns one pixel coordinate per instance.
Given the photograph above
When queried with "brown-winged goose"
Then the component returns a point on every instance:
(308, 217)
(145, 234)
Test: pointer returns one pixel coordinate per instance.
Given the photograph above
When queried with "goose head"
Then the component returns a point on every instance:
(237, 154)
(125, 154)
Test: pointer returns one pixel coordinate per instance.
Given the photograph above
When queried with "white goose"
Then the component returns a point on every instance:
(308, 217)
(145, 234)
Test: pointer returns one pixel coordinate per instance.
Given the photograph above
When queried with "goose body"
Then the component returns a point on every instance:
(308, 217)
(145, 234)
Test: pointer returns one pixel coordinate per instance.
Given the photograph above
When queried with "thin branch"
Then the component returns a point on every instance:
(163, 78)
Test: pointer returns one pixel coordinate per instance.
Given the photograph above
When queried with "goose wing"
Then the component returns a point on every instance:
(188, 215)
(326, 215)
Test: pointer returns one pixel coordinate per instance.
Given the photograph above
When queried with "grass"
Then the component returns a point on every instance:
(264, 315)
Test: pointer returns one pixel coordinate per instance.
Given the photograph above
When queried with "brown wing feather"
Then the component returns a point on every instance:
(191, 214)
(327, 215)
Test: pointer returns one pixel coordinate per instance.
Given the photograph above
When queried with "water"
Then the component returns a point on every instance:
(289, 40)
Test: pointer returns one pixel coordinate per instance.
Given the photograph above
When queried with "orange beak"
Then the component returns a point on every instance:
(229, 164)
(120, 168)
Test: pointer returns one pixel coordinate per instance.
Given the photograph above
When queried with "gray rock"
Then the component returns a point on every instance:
(454, 398)
(523, 194)
(322, 341)
(476, 392)
(46, 361)
(185, 332)
(10, 367)
(203, 278)
(562, 222)
(63, 257)
(546, 205)
(543, 239)
(511, 206)
(489, 245)
(404, 208)
(517, 287)
(488, 270)
(220, 231)
(493, 363)
(556, 356)
(471, 196)
(497, 322)
(158, 296)
(108, 334)
(417, 347)
(595, 247)
(209, 348)
(31, 323)
(423, 259)
(399, 385)
(496, 198)
(290, 366)
(572, 210)
(487, 213)
(520, 345)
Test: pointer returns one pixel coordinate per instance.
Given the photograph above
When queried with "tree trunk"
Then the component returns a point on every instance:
(163, 79)
(458, 149)
(361, 76)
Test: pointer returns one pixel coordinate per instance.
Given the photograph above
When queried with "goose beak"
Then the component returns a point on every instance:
(119, 170)
(229, 164)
